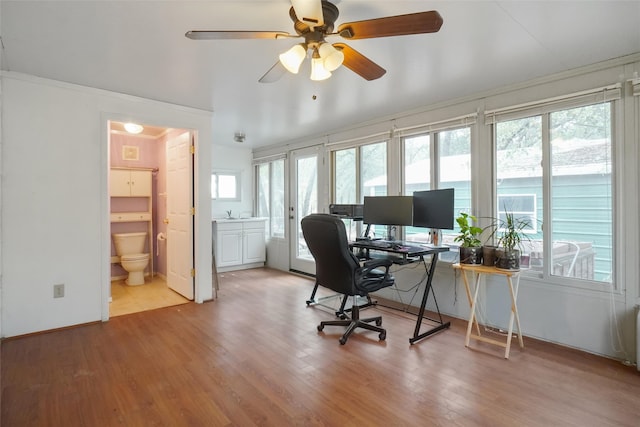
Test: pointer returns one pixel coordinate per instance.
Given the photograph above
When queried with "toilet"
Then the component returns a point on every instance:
(130, 247)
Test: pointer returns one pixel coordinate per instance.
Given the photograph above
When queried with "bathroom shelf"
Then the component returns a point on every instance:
(130, 216)
(132, 182)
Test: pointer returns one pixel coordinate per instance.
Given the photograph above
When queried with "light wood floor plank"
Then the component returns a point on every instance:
(254, 357)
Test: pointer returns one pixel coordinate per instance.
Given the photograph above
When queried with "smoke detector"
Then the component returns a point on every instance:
(239, 137)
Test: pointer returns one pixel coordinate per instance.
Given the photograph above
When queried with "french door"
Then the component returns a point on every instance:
(304, 200)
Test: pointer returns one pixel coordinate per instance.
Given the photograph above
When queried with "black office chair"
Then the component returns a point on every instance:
(339, 270)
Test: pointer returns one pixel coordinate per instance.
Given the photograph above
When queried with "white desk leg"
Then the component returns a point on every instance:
(473, 313)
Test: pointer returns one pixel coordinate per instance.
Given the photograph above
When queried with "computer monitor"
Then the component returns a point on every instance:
(433, 209)
(388, 210)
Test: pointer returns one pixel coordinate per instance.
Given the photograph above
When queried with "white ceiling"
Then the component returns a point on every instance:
(139, 48)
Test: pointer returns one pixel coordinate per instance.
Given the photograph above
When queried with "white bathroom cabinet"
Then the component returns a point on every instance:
(239, 243)
(130, 183)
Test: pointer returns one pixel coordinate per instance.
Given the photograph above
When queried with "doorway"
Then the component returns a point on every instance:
(163, 214)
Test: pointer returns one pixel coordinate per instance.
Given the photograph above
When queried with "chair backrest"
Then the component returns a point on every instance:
(336, 265)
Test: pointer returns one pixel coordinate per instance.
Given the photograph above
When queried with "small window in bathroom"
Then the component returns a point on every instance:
(225, 185)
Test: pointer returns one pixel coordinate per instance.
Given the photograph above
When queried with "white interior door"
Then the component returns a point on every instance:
(304, 196)
(179, 217)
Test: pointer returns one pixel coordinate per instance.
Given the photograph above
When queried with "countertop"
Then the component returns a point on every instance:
(238, 219)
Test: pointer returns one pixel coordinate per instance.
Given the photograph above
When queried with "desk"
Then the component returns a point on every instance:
(511, 276)
(404, 253)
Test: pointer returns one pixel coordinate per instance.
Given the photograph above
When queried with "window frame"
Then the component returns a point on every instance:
(215, 175)
(435, 181)
(544, 109)
(271, 191)
(358, 148)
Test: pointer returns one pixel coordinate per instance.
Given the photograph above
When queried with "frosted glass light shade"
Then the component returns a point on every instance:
(133, 128)
(318, 72)
(331, 57)
(292, 59)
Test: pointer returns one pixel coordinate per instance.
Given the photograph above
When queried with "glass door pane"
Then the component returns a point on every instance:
(305, 192)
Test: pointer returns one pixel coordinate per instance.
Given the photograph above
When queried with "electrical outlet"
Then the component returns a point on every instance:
(58, 290)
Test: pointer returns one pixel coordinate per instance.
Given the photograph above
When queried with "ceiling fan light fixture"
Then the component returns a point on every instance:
(292, 59)
(332, 58)
(133, 128)
(318, 72)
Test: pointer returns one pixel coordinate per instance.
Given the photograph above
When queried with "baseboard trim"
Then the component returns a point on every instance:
(79, 325)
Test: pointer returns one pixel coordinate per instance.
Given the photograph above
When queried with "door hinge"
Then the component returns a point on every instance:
(193, 149)
(193, 272)
(192, 210)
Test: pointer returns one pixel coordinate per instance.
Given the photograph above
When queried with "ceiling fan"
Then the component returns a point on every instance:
(314, 22)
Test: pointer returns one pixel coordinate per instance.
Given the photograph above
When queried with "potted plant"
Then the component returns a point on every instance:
(512, 235)
(488, 255)
(469, 238)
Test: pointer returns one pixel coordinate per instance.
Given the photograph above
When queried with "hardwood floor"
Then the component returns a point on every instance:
(253, 357)
(152, 295)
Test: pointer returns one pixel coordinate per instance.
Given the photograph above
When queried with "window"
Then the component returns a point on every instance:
(345, 172)
(270, 195)
(358, 172)
(225, 185)
(563, 156)
(581, 192)
(373, 161)
(452, 164)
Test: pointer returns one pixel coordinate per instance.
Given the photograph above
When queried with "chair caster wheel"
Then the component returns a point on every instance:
(320, 328)
(342, 341)
(382, 336)
(378, 322)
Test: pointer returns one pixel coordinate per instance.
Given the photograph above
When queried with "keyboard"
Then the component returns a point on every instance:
(397, 245)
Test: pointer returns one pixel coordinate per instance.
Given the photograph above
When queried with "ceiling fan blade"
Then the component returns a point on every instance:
(400, 25)
(309, 12)
(235, 35)
(360, 64)
(274, 74)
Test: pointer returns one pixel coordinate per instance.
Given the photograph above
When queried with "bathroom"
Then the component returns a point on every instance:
(144, 286)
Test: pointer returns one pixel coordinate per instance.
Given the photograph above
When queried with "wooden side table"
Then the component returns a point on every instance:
(511, 277)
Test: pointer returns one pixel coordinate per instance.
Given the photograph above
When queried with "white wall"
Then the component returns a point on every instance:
(234, 159)
(599, 321)
(54, 213)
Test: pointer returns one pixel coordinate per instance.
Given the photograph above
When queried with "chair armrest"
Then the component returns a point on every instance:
(370, 265)
(366, 282)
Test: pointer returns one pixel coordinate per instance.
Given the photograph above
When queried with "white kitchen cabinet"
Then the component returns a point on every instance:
(239, 243)
(130, 183)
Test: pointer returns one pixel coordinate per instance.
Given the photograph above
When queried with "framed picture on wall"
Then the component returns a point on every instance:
(129, 152)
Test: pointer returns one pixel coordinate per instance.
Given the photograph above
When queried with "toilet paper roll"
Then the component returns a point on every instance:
(160, 238)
